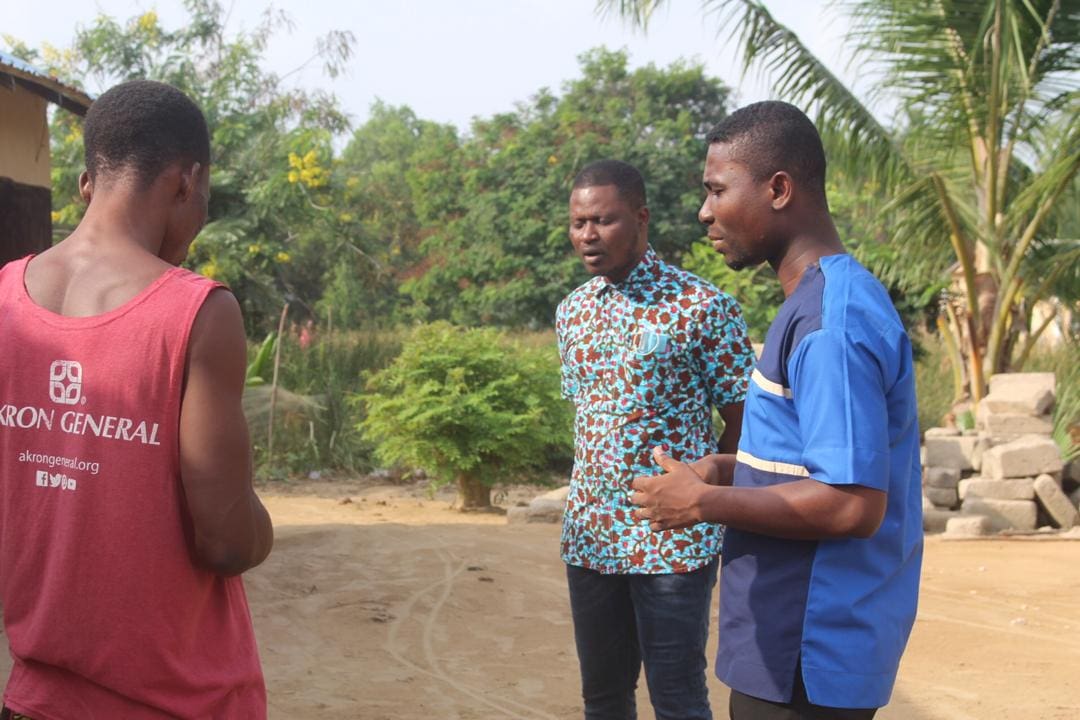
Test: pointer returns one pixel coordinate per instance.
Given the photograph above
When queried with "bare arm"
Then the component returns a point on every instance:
(232, 528)
(802, 509)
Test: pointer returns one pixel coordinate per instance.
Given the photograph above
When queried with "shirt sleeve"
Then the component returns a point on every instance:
(724, 354)
(569, 385)
(839, 393)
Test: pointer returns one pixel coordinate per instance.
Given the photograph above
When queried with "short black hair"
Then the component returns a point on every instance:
(624, 176)
(772, 136)
(143, 126)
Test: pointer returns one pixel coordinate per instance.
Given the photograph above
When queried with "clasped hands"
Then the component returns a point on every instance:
(674, 500)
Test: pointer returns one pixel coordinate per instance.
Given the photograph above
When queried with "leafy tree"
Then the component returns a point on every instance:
(470, 407)
(385, 187)
(496, 242)
(979, 177)
(261, 219)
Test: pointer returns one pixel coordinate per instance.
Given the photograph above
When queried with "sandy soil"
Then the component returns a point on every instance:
(393, 605)
(379, 602)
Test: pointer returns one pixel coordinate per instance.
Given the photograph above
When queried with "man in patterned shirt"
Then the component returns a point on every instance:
(647, 351)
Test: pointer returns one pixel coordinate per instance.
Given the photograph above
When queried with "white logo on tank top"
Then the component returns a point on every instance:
(65, 382)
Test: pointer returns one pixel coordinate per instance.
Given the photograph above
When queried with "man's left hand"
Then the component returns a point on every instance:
(671, 500)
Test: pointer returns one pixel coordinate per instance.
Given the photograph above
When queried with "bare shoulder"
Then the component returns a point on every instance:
(217, 335)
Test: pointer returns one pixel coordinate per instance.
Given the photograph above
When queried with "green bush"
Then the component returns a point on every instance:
(470, 407)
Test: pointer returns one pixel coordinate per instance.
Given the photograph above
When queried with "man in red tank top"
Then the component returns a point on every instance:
(127, 511)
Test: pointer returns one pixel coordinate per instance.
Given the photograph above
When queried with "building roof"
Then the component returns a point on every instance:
(14, 71)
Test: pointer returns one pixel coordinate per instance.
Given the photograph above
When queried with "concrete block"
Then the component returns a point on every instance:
(1034, 403)
(1002, 514)
(543, 510)
(941, 477)
(982, 444)
(1012, 425)
(968, 526)
(517, 515)
(935, 519)
(1028, 393)
(1025, 457)
(926, 504)
(546, 508)
(1055, 502)
(559, 494)
(1021, 489)
(941, 497)
(953, 452)
(941, 432)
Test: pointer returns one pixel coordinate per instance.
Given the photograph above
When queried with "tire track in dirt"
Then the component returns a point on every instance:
(429, 623)
(1033, 604)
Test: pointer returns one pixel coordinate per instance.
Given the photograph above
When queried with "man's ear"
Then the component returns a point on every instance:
(781, 190)
(189, 182)
(86, 187)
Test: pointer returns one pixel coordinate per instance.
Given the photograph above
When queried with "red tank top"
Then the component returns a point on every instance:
(106, 614)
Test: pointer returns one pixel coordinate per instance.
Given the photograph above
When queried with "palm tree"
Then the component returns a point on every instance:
(979, 174)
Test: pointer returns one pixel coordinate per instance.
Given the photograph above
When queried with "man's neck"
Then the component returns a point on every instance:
(804, 250)
(627, 271)
(121, 219)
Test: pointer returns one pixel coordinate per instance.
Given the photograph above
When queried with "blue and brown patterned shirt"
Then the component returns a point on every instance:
(644, 361)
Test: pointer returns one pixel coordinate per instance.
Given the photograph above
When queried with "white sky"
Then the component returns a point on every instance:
(450, 61)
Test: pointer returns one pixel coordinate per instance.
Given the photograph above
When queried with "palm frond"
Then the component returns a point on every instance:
(854, 138)
(637, 12)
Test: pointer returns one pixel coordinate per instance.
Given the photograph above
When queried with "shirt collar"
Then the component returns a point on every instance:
(644, 273)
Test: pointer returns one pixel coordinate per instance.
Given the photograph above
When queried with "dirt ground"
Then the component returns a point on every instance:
(393, 605)
(379, 602)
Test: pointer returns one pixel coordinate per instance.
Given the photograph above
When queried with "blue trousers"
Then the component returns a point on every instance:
(622, 620)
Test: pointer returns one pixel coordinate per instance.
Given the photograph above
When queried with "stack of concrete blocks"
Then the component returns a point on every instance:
(1005, 475)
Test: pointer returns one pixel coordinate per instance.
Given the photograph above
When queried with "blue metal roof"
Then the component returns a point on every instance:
(14, 70)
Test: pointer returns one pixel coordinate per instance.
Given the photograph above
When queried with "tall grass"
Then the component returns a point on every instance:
(933, 381)
(1064, 362)
(314, 418)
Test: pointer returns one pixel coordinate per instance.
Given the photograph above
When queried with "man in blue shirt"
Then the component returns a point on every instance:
(822, 501)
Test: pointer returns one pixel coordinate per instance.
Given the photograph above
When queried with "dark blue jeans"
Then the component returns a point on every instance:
(621, 620)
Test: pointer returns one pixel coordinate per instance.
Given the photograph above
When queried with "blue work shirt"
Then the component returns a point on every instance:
(832, 398)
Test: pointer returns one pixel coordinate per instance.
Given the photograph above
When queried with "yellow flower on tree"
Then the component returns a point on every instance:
(283, 257)
(148, 21)
(306, 169)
